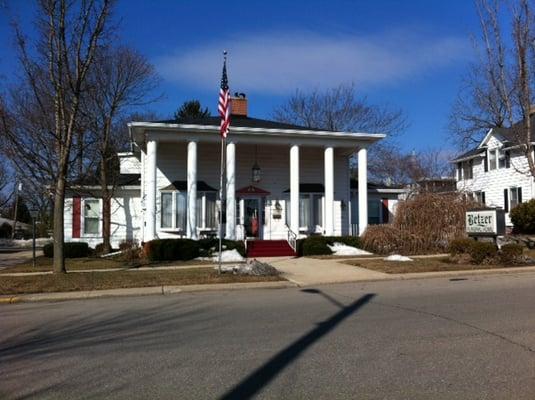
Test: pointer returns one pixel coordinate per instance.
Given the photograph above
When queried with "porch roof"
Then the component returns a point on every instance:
(202, 186)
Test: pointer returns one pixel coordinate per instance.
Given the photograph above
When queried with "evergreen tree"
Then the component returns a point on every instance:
(191, 109)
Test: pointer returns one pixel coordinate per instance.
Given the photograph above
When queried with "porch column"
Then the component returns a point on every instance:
(363, 190)
(191, 229)
(231, 192)
(294, 189)
(150, 204)
(329, 191)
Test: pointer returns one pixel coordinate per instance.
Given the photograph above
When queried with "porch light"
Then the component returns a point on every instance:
(257, 173)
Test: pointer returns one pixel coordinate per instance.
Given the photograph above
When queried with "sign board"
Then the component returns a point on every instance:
(485, 222)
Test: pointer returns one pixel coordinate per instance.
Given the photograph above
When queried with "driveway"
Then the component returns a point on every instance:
(12, 257)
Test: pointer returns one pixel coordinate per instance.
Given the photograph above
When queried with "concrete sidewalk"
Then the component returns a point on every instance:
(306, 271)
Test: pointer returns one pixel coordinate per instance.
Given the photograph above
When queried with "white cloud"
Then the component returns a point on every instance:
(280, 63)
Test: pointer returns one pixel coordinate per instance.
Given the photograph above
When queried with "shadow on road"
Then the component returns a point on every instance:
(253, 383)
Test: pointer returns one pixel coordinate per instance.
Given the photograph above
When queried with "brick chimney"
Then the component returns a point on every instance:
(238, 105)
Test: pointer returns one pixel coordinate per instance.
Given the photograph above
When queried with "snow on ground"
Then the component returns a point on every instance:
(24, 244)
(397, 257)
(226, 256)
(340, 249)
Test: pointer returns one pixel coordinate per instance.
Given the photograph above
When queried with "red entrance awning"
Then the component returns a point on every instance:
(249, 190)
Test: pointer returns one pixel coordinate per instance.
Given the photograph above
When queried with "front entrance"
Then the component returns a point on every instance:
(253, 217)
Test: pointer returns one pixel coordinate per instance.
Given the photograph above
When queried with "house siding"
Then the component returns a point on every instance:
(493, 182)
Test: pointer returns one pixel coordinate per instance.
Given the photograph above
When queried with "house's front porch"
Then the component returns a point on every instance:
(279, 184)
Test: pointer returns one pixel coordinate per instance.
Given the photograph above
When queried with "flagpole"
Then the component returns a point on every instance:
(221, 202)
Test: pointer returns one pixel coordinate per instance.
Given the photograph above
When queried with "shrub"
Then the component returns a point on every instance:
(319, 245)
(70, 250)
(171, 249)
(481, 252)
(523, 217)
(316, 246)
(5, 231)
(460, 246)
(425, 223)
(510, 253)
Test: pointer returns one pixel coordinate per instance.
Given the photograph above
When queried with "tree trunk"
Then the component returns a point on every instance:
(59, 234)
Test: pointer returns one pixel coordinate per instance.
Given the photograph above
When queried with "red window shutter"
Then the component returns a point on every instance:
(76, 216)
(386, 213)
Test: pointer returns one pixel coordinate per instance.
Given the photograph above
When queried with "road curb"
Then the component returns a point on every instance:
(142, 291)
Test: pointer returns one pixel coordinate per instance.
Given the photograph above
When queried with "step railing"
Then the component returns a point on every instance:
(292, 239)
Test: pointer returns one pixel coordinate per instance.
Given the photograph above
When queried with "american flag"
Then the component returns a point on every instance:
(224, 102)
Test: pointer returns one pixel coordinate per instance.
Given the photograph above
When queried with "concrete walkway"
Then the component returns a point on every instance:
(11, 257)
(305, 271)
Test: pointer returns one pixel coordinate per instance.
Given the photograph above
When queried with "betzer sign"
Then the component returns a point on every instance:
(487, 222)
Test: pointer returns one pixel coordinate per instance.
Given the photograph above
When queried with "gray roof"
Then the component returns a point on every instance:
(468, 154)
(238, 121)
(202, 186)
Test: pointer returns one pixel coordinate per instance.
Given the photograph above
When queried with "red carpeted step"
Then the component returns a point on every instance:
(269, 248)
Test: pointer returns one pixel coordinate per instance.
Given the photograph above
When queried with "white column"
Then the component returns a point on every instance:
(150, 181)
(191, 230)
(363, 190)
(231, 192)
(294, 189)
(329, 191)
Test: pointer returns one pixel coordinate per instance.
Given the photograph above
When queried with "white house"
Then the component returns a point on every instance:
(496, 172)
(282, 182)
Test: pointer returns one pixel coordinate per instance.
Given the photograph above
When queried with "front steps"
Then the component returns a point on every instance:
(268, 248)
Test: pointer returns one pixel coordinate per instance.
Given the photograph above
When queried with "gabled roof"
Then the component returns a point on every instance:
(249, 190)
(469, 154)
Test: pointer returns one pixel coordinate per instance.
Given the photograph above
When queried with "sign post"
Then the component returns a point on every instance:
(34, 213)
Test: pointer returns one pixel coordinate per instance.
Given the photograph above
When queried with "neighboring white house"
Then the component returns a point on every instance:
(495, 172)
(282, 181)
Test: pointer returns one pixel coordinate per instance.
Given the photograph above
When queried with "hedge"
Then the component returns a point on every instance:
(523, 217)
(318, 245)
(70, 250)
(187, 249)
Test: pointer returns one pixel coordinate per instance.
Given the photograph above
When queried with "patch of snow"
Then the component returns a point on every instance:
(226, 256)
(397, 257)
(24, 244)
(340, 249)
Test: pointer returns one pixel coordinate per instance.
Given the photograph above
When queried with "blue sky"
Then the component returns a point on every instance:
(408, 54)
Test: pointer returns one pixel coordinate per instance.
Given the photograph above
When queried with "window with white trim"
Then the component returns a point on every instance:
(91, 217)
(174, 210)
(515, 197)
(493, 159)
(310, 211)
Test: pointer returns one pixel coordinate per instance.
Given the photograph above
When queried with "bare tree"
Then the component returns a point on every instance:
(55, 70)
(122, 79)
(498, 89)
(340, 109)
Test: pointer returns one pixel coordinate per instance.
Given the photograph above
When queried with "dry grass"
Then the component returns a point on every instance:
(422, 265)
(423, 224)
(44, 264)
(119, 279)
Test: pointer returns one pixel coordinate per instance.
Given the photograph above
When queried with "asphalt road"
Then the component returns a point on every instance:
(420, 339)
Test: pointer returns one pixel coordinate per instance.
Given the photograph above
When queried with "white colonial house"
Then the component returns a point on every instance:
(495, 172)
(282, 182)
